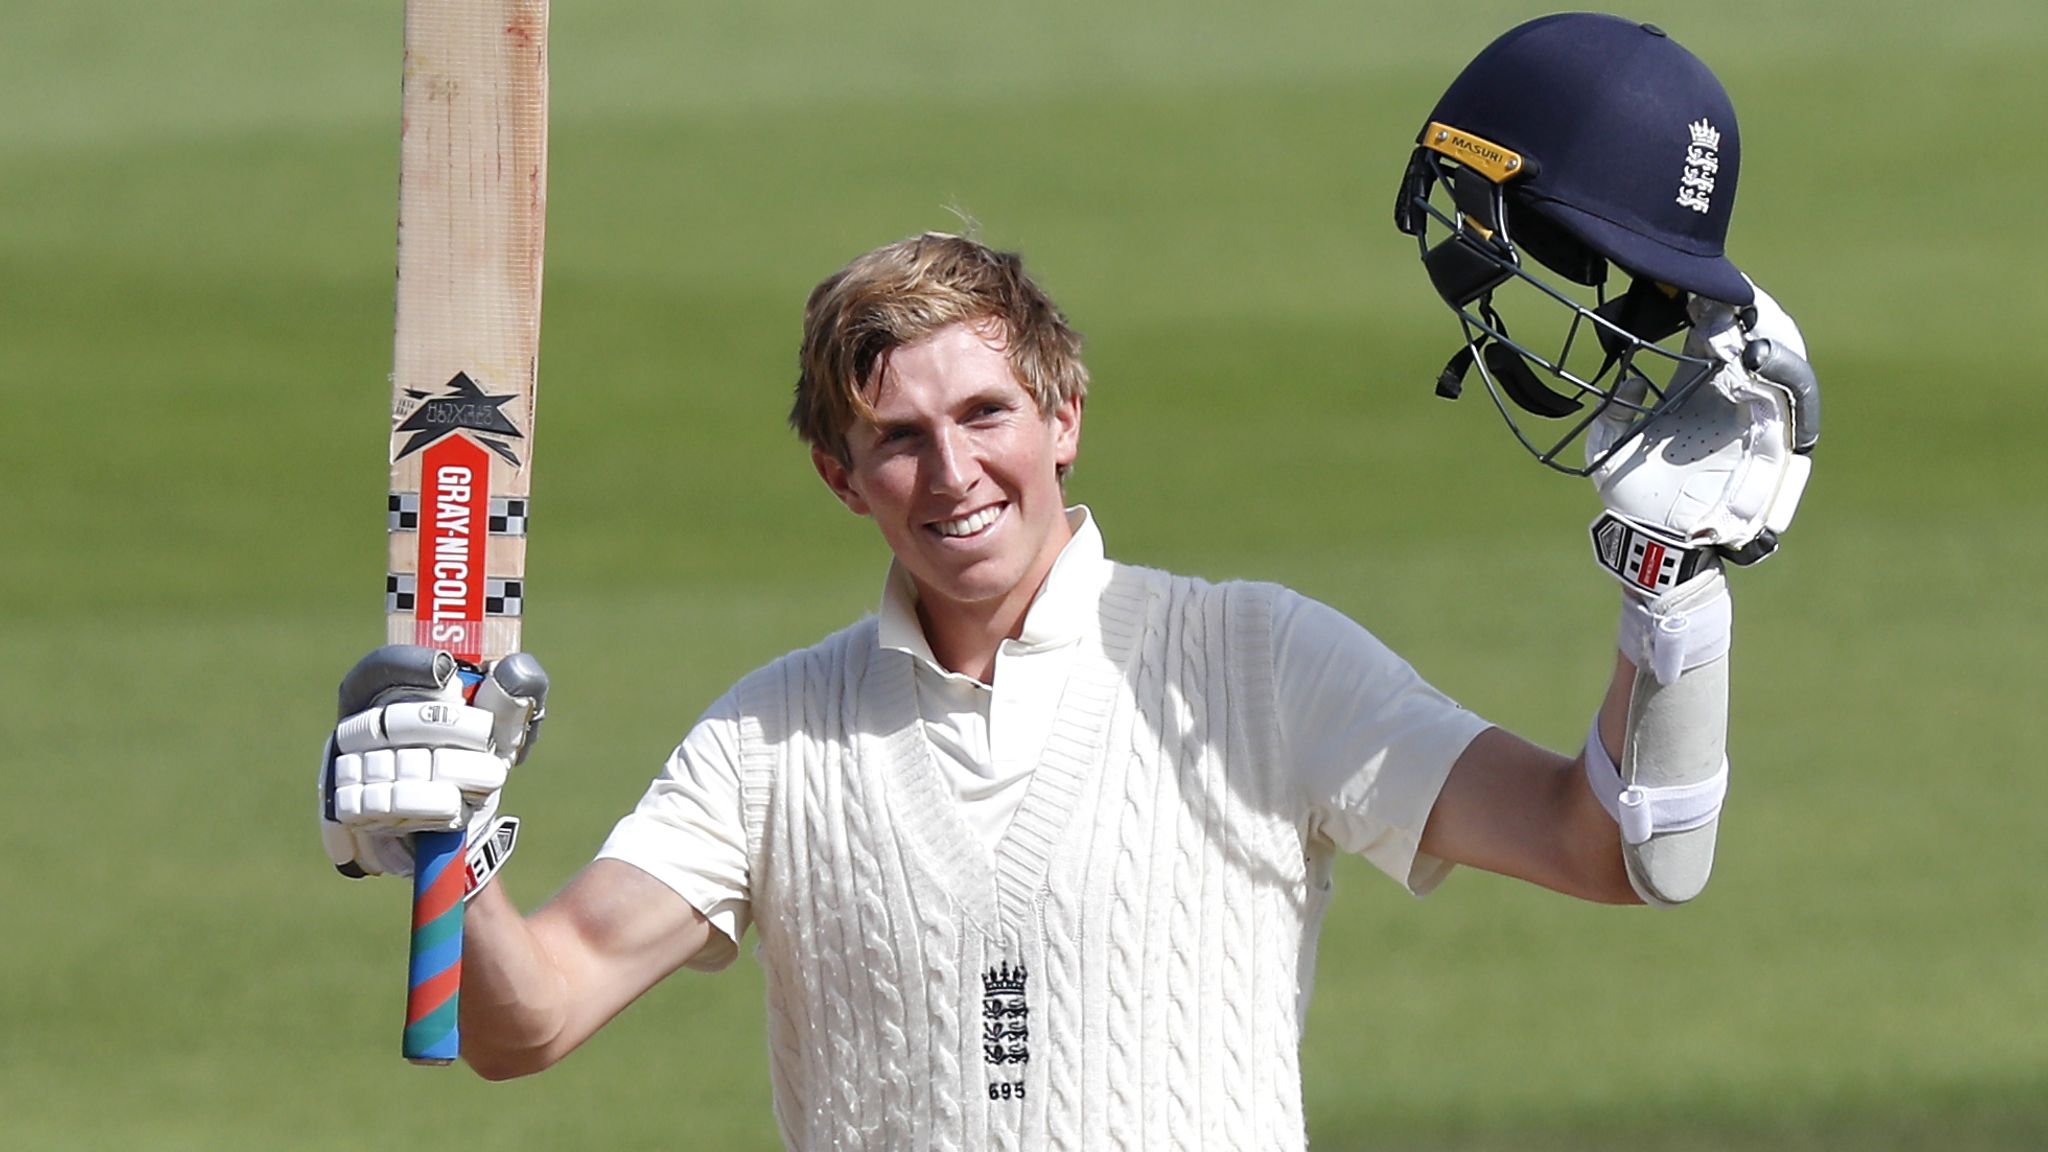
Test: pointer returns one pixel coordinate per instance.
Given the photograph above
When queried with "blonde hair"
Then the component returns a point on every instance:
(905, 292)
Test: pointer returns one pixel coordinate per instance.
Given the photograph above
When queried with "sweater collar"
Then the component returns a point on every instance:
(1062, 612)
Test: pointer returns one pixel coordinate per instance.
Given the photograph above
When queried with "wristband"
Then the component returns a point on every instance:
(1670, 639)
(1646, 560)
(482, 859)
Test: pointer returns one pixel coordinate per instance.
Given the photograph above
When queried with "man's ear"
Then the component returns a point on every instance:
(839, 479)
(1066, 420)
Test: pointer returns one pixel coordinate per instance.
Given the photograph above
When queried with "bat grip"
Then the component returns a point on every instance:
(434, 971)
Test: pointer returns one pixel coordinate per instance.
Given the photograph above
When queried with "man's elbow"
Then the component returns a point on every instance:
(1593, 870)
(499, 1065)
(1590, 843)
(1610, 885)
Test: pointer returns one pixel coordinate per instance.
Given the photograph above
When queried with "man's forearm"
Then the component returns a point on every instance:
(535, 987)
(1614, 709)
(1598, 837)
(514, 997)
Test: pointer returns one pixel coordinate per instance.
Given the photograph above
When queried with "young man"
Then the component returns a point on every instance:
(1037, 855)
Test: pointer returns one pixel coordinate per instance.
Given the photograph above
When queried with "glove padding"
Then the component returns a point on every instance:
(423, 746)
(1726, 467)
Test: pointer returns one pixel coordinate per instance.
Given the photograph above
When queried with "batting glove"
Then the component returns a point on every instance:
(1720, 475)
(424, 745)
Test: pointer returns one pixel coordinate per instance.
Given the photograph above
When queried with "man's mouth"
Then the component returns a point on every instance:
(969, 525)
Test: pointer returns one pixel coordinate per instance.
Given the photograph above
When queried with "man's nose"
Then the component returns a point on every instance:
(953, 467)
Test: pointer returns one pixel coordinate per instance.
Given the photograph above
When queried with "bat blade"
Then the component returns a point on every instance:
(471, 219)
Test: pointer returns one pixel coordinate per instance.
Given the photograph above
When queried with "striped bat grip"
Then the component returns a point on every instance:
(434, 971)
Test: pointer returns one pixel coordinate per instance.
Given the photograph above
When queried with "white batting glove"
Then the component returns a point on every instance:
(411, 754)
(1721, 475)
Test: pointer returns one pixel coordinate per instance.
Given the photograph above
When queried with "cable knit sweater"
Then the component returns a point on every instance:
(1131, 969)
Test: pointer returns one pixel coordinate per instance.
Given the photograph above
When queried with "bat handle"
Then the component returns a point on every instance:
(434, 971)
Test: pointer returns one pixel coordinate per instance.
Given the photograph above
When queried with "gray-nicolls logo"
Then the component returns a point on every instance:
(1702, 163)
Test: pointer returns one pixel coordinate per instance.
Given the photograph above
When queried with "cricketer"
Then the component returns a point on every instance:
(1036, 855)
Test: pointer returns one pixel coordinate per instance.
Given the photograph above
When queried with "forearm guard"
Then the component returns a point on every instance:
(1666, 793)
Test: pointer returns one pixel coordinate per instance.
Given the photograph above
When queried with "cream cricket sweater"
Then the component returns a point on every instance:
(1131, 969)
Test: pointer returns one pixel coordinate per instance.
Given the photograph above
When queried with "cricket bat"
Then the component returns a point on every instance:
(472, 199)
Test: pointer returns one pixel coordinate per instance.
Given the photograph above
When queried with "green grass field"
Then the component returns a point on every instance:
(196, 231)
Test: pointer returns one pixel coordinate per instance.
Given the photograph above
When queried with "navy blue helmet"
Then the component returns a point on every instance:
(1579, 144)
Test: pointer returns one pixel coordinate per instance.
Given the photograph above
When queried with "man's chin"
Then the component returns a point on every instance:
(981, 583)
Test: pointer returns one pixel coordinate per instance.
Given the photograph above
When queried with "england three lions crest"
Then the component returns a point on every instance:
(1005, 1016)
(1702, 164)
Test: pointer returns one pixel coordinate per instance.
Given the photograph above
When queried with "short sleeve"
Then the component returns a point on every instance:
(689, 831)
(1369, 740)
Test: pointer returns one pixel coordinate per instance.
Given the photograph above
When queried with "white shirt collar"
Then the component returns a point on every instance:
(1062, 612)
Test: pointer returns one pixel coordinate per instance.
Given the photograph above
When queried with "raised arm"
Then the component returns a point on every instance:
(418, 749)
(1700, 452)
(1716, 479)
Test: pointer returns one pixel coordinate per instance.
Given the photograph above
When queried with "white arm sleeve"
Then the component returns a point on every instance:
(1369, 741)
(689, 831)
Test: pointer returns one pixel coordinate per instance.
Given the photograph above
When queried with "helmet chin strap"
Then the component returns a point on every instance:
(1508, 368)
(1521, 384)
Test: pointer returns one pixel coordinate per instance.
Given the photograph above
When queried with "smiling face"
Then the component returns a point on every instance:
(960, 470)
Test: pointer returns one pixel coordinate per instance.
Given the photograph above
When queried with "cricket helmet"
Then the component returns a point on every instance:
(1578, 143)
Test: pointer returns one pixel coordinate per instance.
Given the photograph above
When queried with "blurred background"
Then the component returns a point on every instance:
(196, 250)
